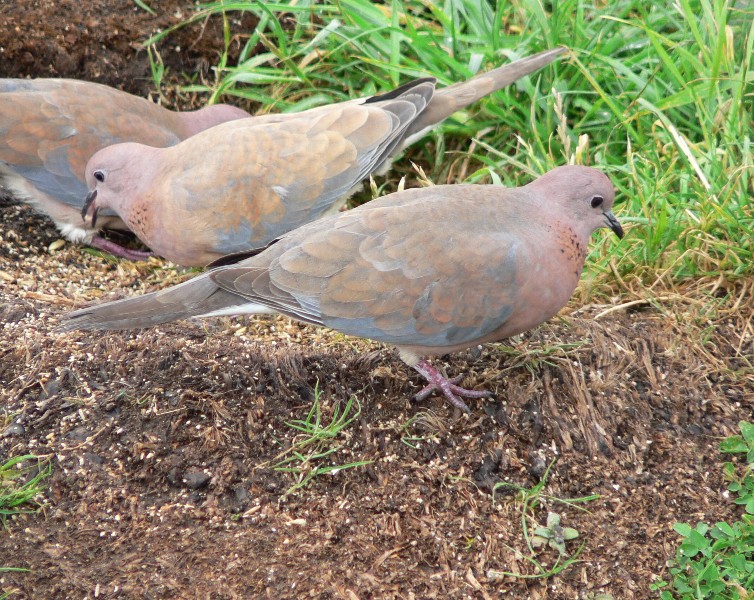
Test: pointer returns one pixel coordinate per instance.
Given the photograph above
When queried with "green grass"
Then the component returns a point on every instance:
(144, 6)
(539, 537)
(21, 481)
(316, 444)
(659, 95)
(717, 562)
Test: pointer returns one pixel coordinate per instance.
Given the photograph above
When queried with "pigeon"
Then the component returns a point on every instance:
(430, 271)
(240, 185)
(50, 128)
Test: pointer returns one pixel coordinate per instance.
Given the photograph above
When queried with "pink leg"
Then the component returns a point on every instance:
(118, 250)
(449, 387)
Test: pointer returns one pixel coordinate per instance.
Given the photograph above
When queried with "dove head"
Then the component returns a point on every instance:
(584, 194)
(115, 177)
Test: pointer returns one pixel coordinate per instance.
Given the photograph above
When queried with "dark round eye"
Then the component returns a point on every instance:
(100, 176)
(596, 200)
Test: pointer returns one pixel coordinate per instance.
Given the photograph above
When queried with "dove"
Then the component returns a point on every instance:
(50, 128)
(429, 271)
(239, 185)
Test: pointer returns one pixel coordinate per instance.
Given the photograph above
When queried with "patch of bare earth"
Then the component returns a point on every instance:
(162, 441)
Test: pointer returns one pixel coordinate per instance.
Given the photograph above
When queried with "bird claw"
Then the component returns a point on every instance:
(449, 387)
(430, 389)
(118, 250)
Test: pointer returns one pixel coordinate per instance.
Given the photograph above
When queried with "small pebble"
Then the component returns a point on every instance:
(196, 479)
(55, 246)
(14, 429)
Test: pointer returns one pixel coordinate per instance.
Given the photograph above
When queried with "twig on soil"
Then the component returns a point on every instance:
(626, 305)
(90, 439)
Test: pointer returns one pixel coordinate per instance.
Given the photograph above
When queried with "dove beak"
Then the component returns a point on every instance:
(90, 209)
(613, 223)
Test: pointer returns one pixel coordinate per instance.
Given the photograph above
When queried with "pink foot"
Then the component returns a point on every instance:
(118, 250)
(449, 387)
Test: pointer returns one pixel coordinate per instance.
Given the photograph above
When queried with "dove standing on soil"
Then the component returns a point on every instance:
(429, 271)
(50, 128)
(240, 185)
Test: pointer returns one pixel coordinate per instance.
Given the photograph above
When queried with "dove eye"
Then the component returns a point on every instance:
(100, 176)
(596, 200)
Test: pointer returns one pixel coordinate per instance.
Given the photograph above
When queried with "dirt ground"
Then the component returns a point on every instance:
(163, 442)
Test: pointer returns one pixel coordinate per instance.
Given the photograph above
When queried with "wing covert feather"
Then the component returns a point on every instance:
(333, 150)
(375, 273)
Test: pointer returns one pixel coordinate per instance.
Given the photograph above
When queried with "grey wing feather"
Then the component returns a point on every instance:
(403, 111)
(383, 286)
(191, 298)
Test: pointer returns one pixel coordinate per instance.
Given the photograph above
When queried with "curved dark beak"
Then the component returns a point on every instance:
(612, 223)
(90, 210)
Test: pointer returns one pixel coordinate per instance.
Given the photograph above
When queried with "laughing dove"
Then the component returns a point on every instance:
(429, 271)
(240, 185)
(50, 128)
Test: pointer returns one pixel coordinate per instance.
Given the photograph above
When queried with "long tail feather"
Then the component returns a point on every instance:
(450, 99)
(195, 297)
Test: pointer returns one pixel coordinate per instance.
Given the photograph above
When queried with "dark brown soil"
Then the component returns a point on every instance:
(101, 40)
(163, 442)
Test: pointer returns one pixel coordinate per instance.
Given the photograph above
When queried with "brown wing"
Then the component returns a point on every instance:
(49, 128)
(263, 180)
(440, 268)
